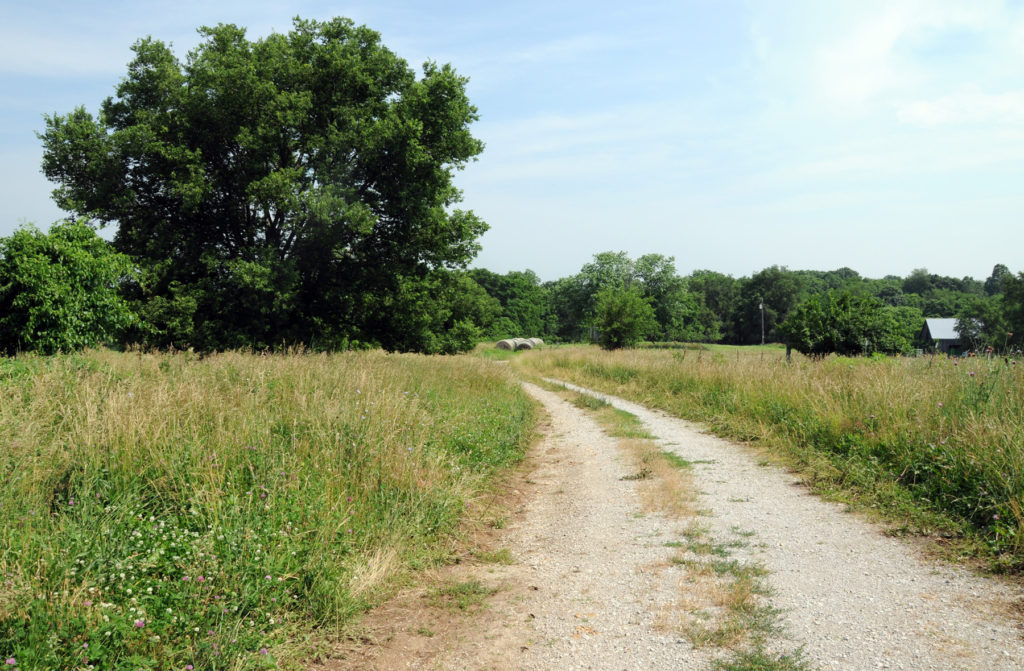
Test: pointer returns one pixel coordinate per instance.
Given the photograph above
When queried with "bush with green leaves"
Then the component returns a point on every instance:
(842, 324)
(59, 290)
(623, 317)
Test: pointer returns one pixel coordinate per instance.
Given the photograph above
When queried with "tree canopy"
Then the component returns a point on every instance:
(623, 315)
(293, 188)
(844, 324)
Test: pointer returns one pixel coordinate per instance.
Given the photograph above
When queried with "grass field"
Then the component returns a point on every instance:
(165, 511)
(936, 444)
(171, 511)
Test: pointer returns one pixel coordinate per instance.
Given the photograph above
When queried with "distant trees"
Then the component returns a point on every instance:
(678, 313)
(995, 320)
(59, 291)
(835, 310)
(718, 296)
(1013, 309)
(525, 305)
(994, 283)
(779, 290)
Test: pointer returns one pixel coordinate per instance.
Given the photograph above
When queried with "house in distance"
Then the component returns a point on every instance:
(943, 333)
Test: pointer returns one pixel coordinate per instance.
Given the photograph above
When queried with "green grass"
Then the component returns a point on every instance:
(761, 660)
(615, 422)
(489, 352)
(735, 613)
(935, 444)
(466, 597)
(500, 556)
(228, 512)
(589, 402)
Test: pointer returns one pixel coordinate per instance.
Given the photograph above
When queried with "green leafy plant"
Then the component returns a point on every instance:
(623, 316)
(59, 290)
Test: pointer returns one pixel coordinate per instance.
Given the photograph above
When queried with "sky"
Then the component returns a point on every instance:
(731, 135)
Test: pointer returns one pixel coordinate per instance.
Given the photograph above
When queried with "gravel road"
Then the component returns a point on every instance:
(593, 577)
(852, 597)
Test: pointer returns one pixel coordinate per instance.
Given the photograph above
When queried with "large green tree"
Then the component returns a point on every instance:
(293, 188)
(59, 290)
(778, 290)
(844, 324)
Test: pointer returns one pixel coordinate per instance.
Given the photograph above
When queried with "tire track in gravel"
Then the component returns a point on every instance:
(852, 597)
(584, 592)
(586, 587)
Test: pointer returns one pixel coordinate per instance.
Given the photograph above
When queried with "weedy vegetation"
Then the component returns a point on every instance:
(167, 511)
(934, 443)
(465, 597)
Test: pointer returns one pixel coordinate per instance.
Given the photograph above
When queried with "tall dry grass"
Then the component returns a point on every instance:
(161, 510)
(933, 440)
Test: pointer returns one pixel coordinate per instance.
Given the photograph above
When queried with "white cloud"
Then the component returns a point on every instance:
(969, 105)
(852, 59)
(860, 65)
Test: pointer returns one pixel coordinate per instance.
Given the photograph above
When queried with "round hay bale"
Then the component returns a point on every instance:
(536, 342)
(522, 343)
(506, 344)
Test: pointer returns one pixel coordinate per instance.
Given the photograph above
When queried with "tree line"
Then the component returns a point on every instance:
(298, 189)
(69, 288)
(617, 300)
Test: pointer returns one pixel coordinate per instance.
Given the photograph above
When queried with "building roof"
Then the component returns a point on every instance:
(942, 329)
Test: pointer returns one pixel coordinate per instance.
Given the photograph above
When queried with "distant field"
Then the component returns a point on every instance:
(936, 444)
(160, 511)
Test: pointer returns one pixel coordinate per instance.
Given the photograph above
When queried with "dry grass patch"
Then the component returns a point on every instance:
(663, 487)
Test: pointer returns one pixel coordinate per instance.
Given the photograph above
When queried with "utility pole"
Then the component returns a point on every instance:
(761, 306)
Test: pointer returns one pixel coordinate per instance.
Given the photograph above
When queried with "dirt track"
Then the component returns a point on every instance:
(593, 586)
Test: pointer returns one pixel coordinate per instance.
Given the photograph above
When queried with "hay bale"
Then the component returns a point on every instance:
(506, 344)
(522, 343)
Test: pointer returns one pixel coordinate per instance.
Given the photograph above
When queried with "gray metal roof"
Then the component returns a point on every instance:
(942, 329)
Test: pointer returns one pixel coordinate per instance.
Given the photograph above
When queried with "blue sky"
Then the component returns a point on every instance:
(882, 136)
